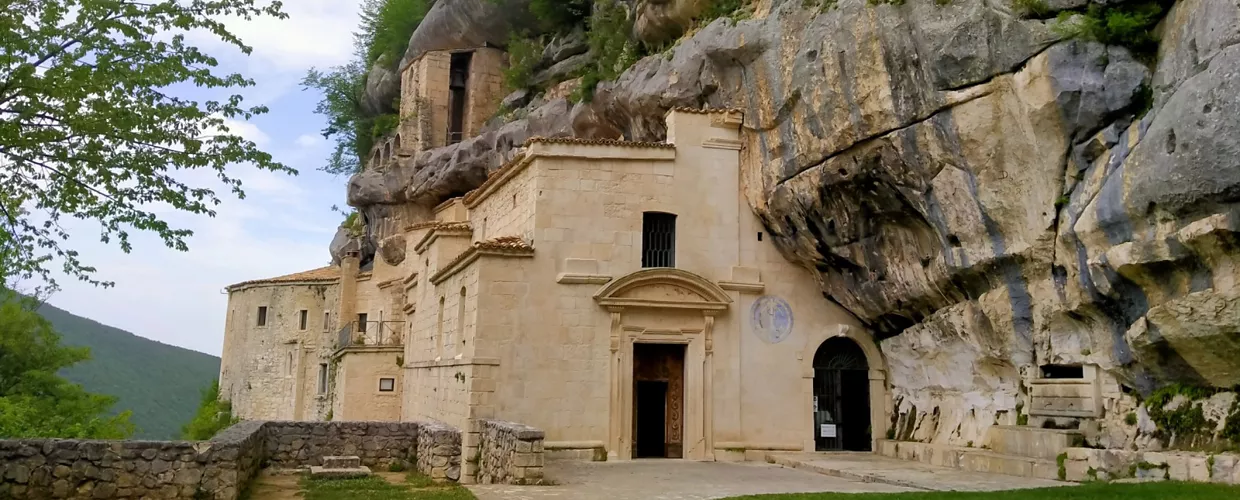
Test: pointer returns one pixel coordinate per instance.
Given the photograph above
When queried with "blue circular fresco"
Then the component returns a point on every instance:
(771, 319)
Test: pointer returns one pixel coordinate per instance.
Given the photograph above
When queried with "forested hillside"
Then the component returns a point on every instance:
(160, 383)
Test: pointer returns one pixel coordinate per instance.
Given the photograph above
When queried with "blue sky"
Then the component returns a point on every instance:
(285, 223)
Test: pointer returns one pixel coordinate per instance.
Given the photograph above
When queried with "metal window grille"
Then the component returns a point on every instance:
(658, 239)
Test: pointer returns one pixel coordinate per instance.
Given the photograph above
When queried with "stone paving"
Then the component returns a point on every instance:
(687, 480)
(657, 479)
(870, 467)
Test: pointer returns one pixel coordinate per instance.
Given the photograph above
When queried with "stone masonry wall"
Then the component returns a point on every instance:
(218, 469)
(510, 453)
(56, 468)
(439, 451)
(378, 444)
(1087, 464)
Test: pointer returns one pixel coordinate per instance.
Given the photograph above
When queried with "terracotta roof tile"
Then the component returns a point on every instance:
(703, 111)
(599, 142)
(327, 273)
(494, 177)
(503, 243)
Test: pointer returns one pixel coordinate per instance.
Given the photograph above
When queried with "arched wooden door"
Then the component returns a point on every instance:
(841, 396)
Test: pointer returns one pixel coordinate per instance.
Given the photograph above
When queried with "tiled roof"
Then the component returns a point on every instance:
(599, 142)
(494, 178)
(327, 273)
(504, 243)
(440, 225)
(703, 111)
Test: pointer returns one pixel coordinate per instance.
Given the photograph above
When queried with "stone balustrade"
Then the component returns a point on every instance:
(217, 469)
(509, 453)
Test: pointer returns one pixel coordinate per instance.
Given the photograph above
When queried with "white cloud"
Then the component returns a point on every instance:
(309, 140)
(316, 33)
(247, 131)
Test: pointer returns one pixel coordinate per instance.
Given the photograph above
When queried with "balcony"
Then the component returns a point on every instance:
(370, 333)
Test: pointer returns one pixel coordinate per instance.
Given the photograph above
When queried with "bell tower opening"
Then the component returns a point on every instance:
(458, 85)
(841, 396)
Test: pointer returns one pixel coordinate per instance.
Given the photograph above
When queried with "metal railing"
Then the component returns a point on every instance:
(381, 333)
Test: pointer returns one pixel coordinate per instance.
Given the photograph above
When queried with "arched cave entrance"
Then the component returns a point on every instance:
(841, 396)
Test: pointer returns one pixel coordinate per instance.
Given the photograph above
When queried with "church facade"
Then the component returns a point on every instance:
(619, 295)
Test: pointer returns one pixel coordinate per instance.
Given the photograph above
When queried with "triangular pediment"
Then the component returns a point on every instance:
(666, 288)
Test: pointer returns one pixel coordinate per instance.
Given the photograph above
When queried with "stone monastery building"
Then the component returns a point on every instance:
(618, 295)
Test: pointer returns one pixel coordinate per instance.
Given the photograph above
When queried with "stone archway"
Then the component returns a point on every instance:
(880, 401)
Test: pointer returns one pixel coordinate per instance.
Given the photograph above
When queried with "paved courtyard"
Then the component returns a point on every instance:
(686, 480)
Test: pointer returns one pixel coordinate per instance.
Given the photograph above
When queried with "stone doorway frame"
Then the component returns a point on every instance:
(709, 299)
(880, 400)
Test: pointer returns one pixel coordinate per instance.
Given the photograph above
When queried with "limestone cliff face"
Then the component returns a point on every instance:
(986, 197)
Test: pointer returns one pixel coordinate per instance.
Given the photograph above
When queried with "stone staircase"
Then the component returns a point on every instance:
(340, 468)
(1011, 450)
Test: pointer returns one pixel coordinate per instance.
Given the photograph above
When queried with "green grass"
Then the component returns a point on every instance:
(376, 488)
(1094, 491)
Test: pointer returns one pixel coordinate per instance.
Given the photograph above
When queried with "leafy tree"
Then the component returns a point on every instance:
(382, 36)
(213, 416)
(35, 402)
(90, 128)
(342, 89)
(386, 27)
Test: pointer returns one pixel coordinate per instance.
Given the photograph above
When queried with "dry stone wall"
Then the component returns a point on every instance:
(218, 469)
(378, 444)
(509, 452)
(439, 451)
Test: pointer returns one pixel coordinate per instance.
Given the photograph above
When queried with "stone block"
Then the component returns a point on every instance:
(339, 473)
(1076, 470)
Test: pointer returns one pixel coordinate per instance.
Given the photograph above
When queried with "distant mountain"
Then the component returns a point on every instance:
(160, 383)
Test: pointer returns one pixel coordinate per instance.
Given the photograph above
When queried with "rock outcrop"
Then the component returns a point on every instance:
(986, 197)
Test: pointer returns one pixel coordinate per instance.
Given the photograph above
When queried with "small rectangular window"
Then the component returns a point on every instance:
(361, 323)
(322, 378)
(658, 239)
(327, 320)
(303, 317)
(387, 384)
(262, 315)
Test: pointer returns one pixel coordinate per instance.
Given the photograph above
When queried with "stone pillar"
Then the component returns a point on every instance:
(347, 309)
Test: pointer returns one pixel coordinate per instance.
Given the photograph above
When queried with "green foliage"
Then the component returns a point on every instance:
(89, 127)
(35, 402)
(1231, 427)
(396, 466)
(386, 27)
(342, 88)
(1031, 8)
(159, 383)
(1187, 420)
(610, 41)
(524, 54)
(716, 9)
(1130, 25)
(383, 125)
(819, 5)
(214, 415)
(1210, 466)
(561, 16)
(888, 2)
(1063, 468)
(1130, 418)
